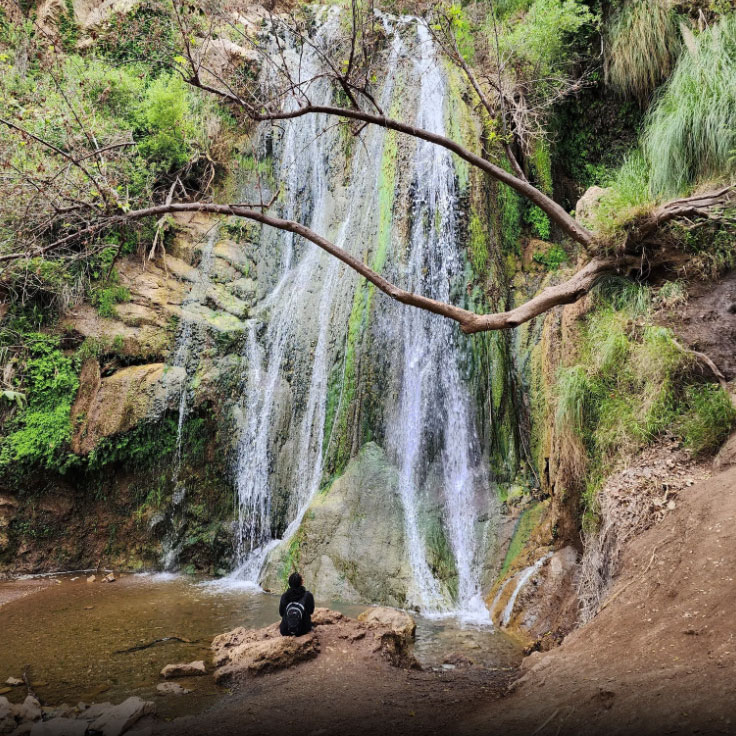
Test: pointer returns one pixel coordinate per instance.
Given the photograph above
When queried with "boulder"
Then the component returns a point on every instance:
(29, 710)
(726, 456)
(398, 621)
(22, 730)
(59, 727)
(267, 655)
(223, 644)
(588, 203)
(171, 688)
(352, 545)
(191, 669)
(109, 578)
(5, 708)
(326, 617)
(119, 718)
(94, 711)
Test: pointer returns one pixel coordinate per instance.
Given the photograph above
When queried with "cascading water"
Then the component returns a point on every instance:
(291, 341)
(305, 295)
(433, 401)
(186, 356)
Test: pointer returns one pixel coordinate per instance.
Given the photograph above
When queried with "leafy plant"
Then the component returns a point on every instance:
(709, 420)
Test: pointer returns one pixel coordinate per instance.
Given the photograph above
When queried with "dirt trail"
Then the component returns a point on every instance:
(660, 658)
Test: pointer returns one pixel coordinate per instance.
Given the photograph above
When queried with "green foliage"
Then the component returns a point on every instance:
(709, 420)
(478, 245)
(632, 383)
(552, 258)
(142, 447)
(107, 297)
(166, 118)
(691, 130)
(541, 40)
(539, 222)
(67, 25)
(39, 433)
(642, 45)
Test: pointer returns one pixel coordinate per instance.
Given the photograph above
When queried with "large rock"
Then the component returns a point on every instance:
(267, 655)
(108, 406)
(398, 621)
(28, 710)
(726, 456)
(119, 718)
(588, 203)
(190, 669)
(351, 542)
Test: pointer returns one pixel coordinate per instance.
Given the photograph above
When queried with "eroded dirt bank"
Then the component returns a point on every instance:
(660, 657)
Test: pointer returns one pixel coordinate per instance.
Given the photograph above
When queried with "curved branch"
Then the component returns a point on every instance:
(469, 322)
(554, 211)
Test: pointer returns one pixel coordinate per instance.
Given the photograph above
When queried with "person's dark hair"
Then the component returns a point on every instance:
(295, 580)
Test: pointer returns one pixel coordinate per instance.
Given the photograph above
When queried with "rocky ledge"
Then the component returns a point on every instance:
(245, 653)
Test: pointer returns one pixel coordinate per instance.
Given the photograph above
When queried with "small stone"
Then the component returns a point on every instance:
(59, 727)
(171, 688)
(119, 718)
(91, 578)
(109, 578)
(13, 681)
(448, 666)
(671, 505)
(183, 670)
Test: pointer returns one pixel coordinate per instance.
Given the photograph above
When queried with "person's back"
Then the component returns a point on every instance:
(296, 608)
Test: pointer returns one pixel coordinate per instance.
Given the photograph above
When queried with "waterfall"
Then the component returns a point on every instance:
(434, 401)
(305, 294)
(292, 337)
(521, 580)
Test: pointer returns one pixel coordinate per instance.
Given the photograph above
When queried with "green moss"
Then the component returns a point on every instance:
(523, 531)
(478, 245)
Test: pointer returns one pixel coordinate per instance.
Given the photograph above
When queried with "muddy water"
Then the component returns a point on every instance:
(72, 635)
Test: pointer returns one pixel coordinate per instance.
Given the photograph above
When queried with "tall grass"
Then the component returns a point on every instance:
(691, 130)
(642, 46)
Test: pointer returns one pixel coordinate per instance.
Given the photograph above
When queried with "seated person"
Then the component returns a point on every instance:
(296, 608)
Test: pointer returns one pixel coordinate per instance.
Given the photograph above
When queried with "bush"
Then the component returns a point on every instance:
(552, 258)
(709, 420)
(39, 433)
(691, 130)
(166, 119)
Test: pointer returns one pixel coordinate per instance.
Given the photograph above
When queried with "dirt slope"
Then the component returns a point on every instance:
(660, 658)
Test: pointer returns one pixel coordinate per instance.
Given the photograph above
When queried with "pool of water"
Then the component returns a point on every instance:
(72, 636)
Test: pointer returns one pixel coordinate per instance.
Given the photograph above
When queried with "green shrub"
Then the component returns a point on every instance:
(709, 420)
(539, 222)
(552, 258)
(691, 130)
(39, 434)
(107, 297)
(166, 119)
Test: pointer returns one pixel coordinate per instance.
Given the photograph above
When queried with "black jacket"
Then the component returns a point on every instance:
(307, 599)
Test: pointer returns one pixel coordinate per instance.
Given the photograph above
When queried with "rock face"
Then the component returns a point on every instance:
(60, 727)
(351, 542)
(190, 669)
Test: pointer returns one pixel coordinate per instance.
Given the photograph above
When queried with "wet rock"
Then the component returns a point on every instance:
(92, 578)
(458, 660)
(190, 669)
(353, 546)
(119, 718)
(398, 621)
(171, 688)
(267, 655)
(59, 727)
(109, 578)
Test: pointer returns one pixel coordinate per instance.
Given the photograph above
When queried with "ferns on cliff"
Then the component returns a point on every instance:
(691, 131)
(642, 46)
